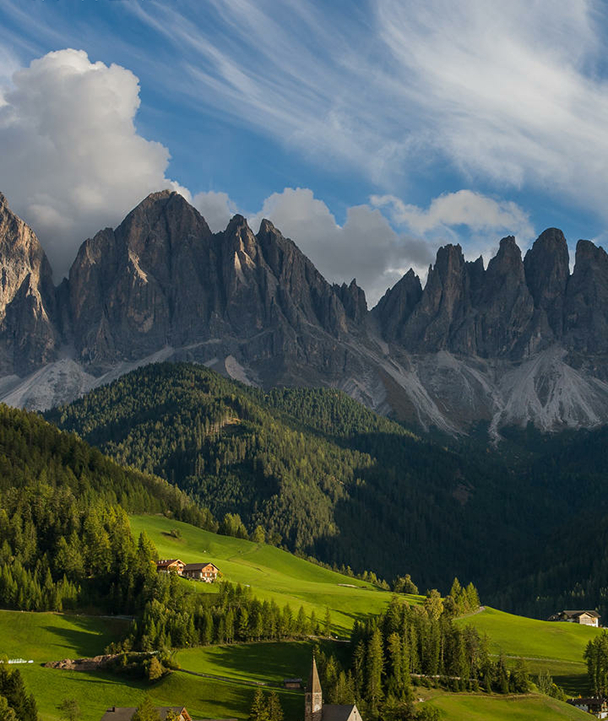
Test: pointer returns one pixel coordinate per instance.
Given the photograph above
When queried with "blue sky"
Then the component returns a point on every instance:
(370, 133)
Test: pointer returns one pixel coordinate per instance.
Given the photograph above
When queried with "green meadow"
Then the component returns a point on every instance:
(271, 572)
(267, 663)
(475, 707)
(45, 637)
(546, 645)
(219, 681)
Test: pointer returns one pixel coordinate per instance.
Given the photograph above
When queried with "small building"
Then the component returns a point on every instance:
(170, 565)
(207, 572)
(126, 713)
(596, 705)
(585, 618)
(292, 683)
(316, 710)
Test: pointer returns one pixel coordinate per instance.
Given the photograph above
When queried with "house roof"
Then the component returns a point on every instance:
(588, 701)
(167, 561)
(333, 712)
(125, 713)
(575, 614)
(199, 566)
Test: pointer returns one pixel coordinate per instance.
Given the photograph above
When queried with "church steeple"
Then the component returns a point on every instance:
(313, 702)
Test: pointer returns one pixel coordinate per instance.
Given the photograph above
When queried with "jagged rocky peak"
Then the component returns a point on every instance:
(162, 279)
(301, 287)
(547, 269)
(505, 306)
(353, 299)
(140, 287)
(28, 336)
(586, 302)
(397, 304)
(442, 307)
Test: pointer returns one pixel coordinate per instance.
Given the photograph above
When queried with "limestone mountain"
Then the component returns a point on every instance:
(521, 340)
(28, 333)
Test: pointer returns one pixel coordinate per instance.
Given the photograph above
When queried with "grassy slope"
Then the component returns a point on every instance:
(556, 647)
(52, 636)
(500, 708)
(271, 573)
(263, 662)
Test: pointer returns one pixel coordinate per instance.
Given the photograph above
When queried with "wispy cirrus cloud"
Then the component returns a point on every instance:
(508, 94)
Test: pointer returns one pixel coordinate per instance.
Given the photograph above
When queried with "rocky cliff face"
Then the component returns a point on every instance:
(163, 280)
(518, 341)
(27, 298)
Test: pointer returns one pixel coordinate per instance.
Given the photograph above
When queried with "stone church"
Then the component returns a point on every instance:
(316, 710)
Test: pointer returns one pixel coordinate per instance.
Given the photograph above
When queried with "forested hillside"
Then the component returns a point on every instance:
(65, 539)
(316, 471)
(570, 568)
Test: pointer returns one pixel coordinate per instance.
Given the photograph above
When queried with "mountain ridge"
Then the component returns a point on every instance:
(520, 341)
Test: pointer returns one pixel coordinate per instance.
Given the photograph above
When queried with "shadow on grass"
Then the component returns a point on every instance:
(90, 637)
(269, 662)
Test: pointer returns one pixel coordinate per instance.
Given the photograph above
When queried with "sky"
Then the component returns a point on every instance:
(370, 133)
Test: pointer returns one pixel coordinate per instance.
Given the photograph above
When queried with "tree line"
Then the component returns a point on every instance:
(411, 644)
(16, 704)
(177, 617)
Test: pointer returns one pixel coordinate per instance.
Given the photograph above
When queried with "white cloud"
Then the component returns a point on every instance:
(366, 247)
(72, 159)
(464, 207)
(217, 208)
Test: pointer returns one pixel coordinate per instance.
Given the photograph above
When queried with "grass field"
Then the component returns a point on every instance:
(53, 636)
(263, 662)
(461, 707)
(271, 573)
(555, 647)
(96, 692)
(45, 637)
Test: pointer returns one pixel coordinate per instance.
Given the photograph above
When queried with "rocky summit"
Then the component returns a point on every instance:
(520, 341)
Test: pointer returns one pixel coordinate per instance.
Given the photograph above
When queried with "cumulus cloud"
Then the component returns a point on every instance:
(366, 247)
(216, 207)
(464, 207)
(72, 159)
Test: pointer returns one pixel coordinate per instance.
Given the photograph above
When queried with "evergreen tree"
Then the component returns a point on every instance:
(275, 712)
(69, 709)
(146, 711)
(259, 707)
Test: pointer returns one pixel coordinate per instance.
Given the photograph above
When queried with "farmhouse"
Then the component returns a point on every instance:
(586, 618)
(207, 572)
(295, 683)
(598, 706)
(316, 710)
(170, 565)
(125, 713)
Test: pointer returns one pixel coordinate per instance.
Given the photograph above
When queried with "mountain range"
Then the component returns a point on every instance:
(521, 340)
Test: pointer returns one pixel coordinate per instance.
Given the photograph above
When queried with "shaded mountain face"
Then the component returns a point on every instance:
(28, 333)
(521, 340)
(162, 280)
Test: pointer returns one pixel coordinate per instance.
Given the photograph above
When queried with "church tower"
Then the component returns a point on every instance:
(313, 701)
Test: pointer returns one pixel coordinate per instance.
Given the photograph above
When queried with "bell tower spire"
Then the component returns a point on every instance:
(313, 701)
